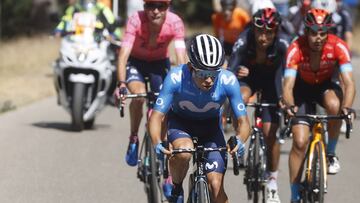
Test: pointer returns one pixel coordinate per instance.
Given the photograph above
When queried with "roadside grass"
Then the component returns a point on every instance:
(25, 70)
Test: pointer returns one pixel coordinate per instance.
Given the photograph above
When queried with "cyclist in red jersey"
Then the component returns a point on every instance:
(144, 53)
(312, 59)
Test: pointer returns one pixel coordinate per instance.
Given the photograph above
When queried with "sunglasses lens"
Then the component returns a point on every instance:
(203, 74)
(156, 5)
(259, 23)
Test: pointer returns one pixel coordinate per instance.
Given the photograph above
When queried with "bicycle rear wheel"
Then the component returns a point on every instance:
(316, 176)
(151, 184)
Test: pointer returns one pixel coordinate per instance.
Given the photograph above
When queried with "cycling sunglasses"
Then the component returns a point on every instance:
(204, 74)
(260, 23)
(156, 5)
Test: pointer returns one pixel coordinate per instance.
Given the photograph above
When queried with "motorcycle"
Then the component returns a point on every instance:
(83, 74)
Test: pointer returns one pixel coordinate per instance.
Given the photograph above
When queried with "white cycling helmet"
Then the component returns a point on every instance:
(328, 5)
(261, 4)
(206, 53)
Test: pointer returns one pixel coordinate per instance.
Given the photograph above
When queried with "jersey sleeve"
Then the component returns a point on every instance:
(238, 51)
(342, 52)
(292, 60)
(132, 25)
(232, 88)
(171, 83)
(178, 28)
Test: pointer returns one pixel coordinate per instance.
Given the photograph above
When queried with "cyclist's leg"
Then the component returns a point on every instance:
(135, 84)
(270, 120)
(297, 156)
(300, 130)
(331, 101)
(215, 166)
(179, 138)
(216, 186)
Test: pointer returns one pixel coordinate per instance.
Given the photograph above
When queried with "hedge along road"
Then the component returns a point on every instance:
(43, 161)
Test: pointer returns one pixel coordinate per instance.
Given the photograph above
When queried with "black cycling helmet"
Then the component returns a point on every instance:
(206, 53)
(267, 18)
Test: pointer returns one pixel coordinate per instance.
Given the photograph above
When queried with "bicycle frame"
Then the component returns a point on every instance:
(318, 139)
(198, 190)
(254, 177)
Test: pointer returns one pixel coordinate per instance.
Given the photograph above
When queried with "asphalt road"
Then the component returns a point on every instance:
(42, 161)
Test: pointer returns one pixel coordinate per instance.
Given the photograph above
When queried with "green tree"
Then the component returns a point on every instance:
(14, 17)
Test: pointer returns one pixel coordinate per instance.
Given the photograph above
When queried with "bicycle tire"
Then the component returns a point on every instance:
(151, 176)
(202, 192)
(249, 169)
(316, 180)
(317, 174)
(256, 184)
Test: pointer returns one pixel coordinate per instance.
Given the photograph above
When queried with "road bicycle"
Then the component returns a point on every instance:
(256, 160)
(314, 182)
(198, 184)
(150, 170)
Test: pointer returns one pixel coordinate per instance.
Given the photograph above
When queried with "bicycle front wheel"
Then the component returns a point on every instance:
(316, 175)
(202, 192)
(151, 184)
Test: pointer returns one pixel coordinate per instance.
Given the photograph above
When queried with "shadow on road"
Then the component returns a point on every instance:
(65, 126)
(54, 125)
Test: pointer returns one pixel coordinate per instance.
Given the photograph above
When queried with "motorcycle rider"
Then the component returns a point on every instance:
(105, 19)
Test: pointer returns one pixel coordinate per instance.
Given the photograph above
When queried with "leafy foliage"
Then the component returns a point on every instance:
(15, 16)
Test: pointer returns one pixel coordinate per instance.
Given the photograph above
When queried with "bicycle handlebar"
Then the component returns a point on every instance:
(236, 164)
(198, 149)
(256, 104)
(149, 95)
(319, 118)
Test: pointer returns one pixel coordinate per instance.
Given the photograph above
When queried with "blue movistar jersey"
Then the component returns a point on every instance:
(180, 93)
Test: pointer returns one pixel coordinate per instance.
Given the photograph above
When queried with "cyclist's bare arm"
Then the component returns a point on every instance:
(243, 131)
(288, 87)
(123, 58)
(350, 91)
(155, 122)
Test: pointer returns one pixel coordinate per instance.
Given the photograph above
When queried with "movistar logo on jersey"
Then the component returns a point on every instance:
(191, 107)
(176, 77)
(228, 80)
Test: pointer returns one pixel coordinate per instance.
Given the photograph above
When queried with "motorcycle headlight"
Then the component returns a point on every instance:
(81, 56)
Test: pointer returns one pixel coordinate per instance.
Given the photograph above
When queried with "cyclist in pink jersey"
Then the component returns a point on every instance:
(144, 53)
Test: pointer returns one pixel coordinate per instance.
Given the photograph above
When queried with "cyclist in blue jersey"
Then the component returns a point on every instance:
(191, 97)
(258, 60)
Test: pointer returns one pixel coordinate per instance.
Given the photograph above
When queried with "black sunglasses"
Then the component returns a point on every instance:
(156, 5)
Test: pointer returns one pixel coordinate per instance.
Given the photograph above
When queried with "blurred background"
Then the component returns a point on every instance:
(27, 49)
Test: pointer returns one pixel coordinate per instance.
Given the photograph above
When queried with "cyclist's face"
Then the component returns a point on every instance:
(316, 39)
(264, 37)
(156, 12)
(204, 83)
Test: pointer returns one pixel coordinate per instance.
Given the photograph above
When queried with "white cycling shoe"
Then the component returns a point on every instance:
(333, 164)
(272, 196)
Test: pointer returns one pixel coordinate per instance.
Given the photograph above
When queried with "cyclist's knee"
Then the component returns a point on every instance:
(300, 143)
(183, 157)
(137, 103)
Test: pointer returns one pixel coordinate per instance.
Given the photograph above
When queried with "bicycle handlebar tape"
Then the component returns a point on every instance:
(236, 165)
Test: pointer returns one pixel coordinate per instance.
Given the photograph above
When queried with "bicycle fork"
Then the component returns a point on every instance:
(318, 131)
